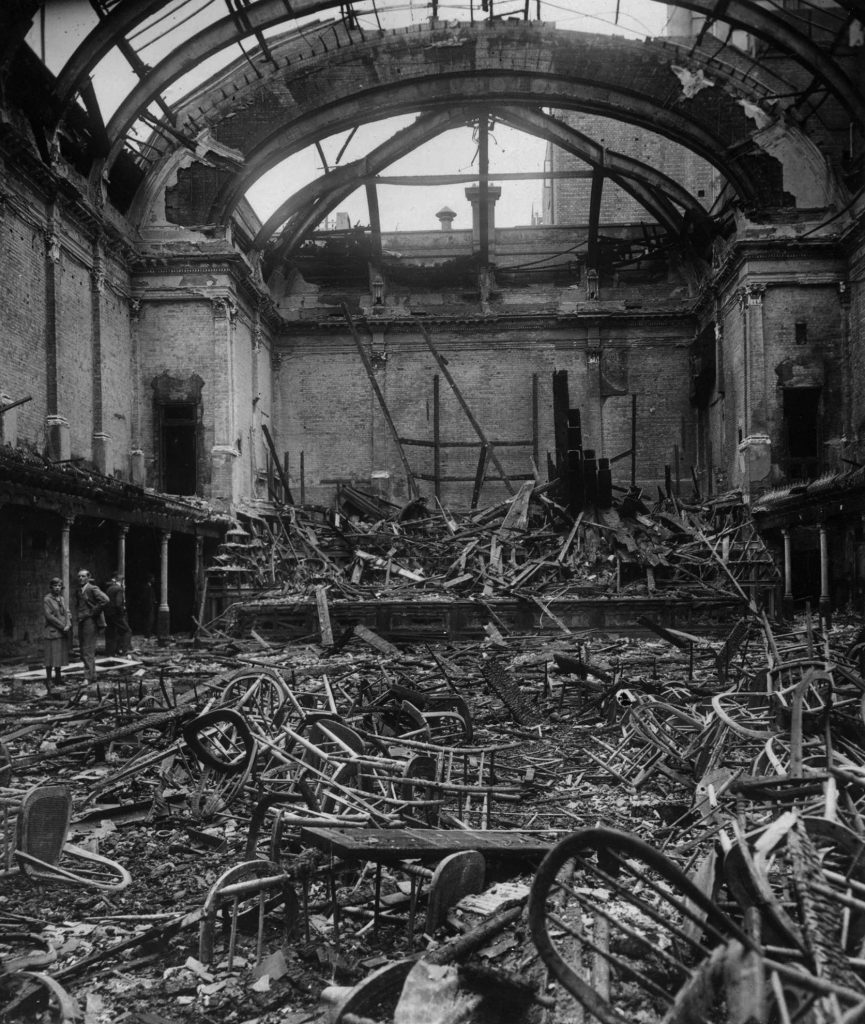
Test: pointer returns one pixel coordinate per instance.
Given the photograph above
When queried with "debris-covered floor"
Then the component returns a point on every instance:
(567, 734)
(544, 826)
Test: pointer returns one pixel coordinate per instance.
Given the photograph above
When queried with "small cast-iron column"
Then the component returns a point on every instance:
(825, 605)
(163, 620)
(122, 530)
(65, 531)
(788, 577)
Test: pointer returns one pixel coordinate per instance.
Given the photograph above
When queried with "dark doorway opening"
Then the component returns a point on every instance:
(802, 421)
(179, 432)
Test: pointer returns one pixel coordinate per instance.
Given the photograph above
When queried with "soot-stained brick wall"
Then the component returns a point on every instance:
(117, 365)
(328, 410)
(568, 202)
(22, 317)
(42, 246)
(75, 353)
(174, 338)
(798, 317)
(190, 336)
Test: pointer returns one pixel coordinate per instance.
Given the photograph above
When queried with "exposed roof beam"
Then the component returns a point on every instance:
(114, 26)
(457, 179)
(595, 216)
(484, 191)
(776, 30)
(616, 165)
(742, 14)
(398, 145)
(304, 210)
(508, 89)
(374, 220)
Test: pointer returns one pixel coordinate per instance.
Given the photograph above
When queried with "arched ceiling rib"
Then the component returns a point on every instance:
(312, 203)
(334, 76)
(264, 14)
(426, 127)
(324, 72)
(361, 104)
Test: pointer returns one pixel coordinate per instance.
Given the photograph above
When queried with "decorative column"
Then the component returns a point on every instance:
(163, 619)
(755, 449)
(787, 606)
(57, 426)
(101, 440)
(122, 530)
(224, 453)
(825, 603)
(65, 531)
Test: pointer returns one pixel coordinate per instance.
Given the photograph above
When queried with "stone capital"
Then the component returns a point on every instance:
(224, 309)
(97, 275)
(751, 295)
(52, 246)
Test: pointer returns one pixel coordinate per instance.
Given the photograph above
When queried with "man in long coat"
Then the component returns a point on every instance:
(89, 602)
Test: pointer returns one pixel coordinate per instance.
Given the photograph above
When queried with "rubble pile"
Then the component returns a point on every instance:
(528, 548)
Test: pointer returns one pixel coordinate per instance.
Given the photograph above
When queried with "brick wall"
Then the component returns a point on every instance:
(22, 318)
(184, 332)
(805, 293)
(571, 195)
(327, 408)
(177, 338)
(75, 354)
(117, 367)
(24, 330)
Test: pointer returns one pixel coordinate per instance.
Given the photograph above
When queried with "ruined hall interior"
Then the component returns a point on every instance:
(385, 326)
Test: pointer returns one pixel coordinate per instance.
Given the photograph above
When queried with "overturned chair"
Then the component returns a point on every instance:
(40, 849)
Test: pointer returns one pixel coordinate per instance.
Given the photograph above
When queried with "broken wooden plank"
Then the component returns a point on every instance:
(374, 640)
(387, 845)
(517, 519)
(507, 690)
(324, 616)
(566, 547)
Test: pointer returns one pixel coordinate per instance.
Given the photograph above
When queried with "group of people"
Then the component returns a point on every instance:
(92, 610)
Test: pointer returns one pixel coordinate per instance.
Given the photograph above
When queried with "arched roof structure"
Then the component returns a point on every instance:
(286, 92)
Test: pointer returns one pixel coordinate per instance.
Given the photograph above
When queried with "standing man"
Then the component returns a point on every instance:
(88, 605)
(118, 635)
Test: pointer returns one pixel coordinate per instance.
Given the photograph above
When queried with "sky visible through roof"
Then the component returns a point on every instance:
(66, 23)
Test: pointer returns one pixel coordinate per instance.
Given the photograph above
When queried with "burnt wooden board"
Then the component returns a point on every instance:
(390, 845)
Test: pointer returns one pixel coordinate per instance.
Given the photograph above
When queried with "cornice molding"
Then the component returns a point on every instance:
(231, 264)
(554, 322)
(761, 250)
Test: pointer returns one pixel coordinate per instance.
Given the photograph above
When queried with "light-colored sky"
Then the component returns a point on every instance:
(401, 207)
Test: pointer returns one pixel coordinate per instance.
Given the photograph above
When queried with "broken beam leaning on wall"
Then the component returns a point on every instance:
(367, 365)
(4, 408)
(277, 464)
(459, 396)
